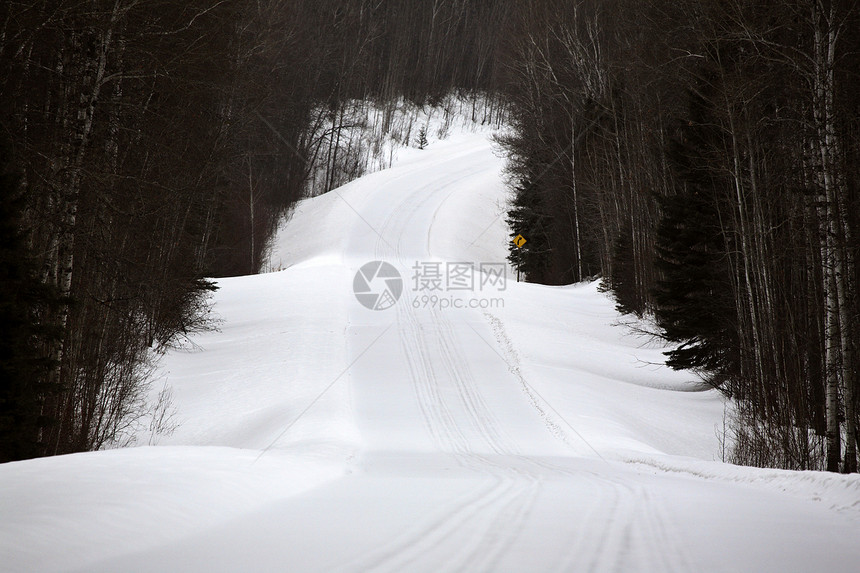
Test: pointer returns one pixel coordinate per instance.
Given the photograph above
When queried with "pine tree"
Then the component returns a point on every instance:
(24, 304)
(622, 281)
(526, 218)
(422, 137)
(694, 298)
(693, 295)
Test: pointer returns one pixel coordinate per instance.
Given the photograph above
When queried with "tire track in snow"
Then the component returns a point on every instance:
(497, 507)
(500, 524)
(475, 531)
(628, 505)
(460, 423)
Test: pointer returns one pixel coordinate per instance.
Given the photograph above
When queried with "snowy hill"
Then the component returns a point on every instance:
(472, 424)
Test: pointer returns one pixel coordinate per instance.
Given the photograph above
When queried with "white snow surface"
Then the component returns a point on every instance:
(318, 435)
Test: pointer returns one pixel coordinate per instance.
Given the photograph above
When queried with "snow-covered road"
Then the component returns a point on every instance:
(520, 432)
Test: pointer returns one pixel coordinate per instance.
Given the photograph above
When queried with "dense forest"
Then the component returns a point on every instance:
(148, 144)
(703, 158)
(700, 158)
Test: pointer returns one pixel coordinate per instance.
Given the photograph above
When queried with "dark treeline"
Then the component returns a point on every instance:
(147, 144)
(703, 158)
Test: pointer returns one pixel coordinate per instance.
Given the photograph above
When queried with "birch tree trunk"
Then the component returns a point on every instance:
(824, 48)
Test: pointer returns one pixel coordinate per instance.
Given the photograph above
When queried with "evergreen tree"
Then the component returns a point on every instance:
(422, 137)
(526, 218)
(694, 298)
(24, 301)
(622, 279)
